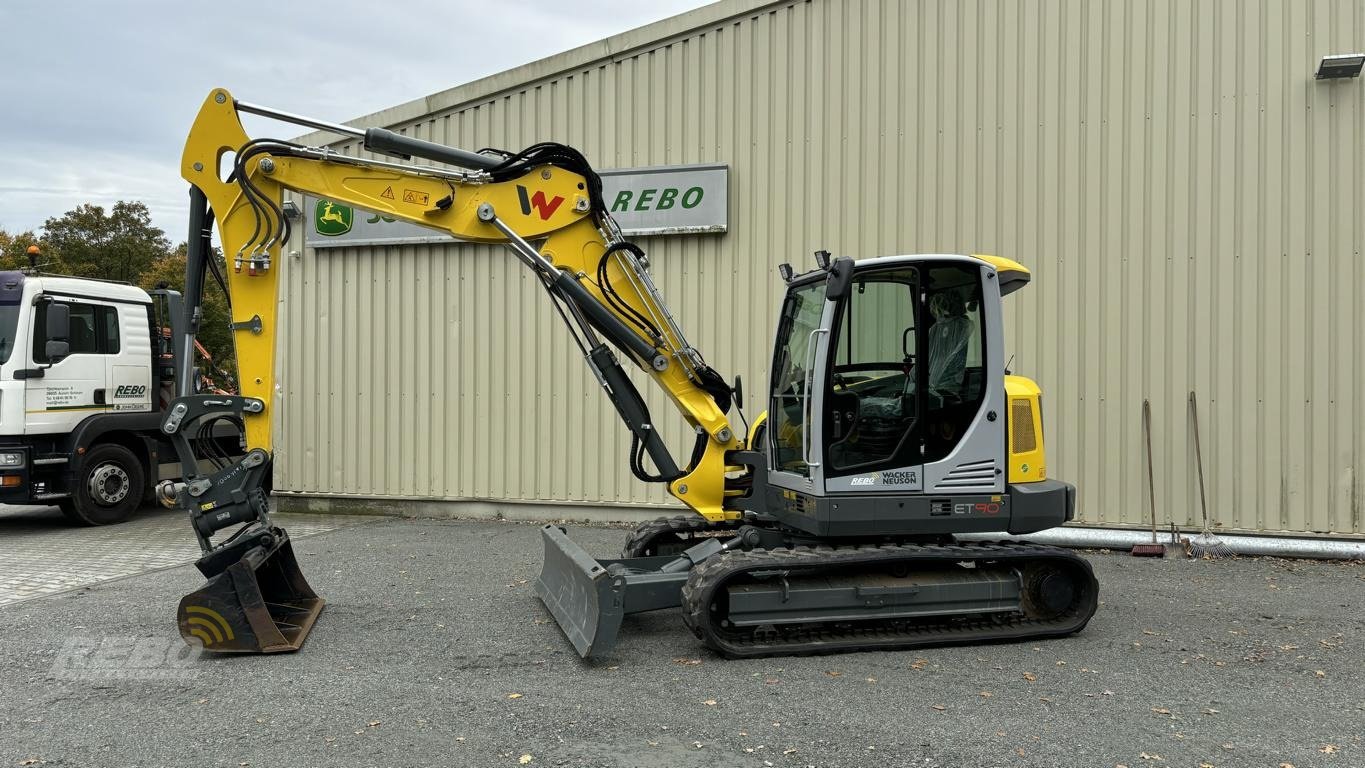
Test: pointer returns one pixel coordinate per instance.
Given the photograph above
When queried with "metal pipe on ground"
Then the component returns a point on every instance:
(1249, 546)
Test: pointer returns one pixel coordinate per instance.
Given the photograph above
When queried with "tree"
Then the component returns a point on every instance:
(214, 332)
(120, 246)
(14, 251)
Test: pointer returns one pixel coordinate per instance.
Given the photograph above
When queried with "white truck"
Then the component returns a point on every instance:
(86, 367)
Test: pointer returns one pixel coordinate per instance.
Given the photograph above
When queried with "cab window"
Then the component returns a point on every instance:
(873, 407)
(791, 401)
(94, 330)
(956, 386)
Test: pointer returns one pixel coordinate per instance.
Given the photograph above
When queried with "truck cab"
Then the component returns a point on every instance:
(82, 369)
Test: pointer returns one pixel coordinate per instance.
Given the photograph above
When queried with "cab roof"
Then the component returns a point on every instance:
(1011, 274)
(86, 287)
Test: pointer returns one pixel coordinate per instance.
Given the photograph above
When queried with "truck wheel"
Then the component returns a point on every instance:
(108, 488)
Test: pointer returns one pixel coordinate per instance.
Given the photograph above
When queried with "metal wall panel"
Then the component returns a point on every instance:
(1188, 197)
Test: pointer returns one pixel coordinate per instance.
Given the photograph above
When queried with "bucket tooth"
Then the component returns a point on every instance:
(257, 602)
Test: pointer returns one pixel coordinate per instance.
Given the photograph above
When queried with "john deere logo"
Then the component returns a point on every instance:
(332, 219)
(208, 625)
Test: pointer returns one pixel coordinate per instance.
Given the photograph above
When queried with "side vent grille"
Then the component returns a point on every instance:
(1022, 437)
(974, 475)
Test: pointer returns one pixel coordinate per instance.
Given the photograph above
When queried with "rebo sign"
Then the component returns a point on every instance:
(662, 200)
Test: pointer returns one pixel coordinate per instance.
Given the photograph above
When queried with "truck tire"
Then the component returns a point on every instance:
(108, 488)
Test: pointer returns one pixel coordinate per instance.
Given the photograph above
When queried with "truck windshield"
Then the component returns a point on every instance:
(9, 325)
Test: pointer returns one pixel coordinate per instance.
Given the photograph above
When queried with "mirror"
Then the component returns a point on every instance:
(840, 278)
(58, 321)
(58, 331)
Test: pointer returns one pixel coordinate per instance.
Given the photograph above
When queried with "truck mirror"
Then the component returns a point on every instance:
(58, 331)
(58, 322)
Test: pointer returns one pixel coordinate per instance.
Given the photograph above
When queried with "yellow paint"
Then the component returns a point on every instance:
(211, 620)
(572, 241)
(579, 248)
(758, 422)
(1029, 466)
(1012, 275)
(1001, 263)
(217, 131)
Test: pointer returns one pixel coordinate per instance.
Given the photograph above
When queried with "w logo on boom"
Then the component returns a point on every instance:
(546, 208)
(208, 625)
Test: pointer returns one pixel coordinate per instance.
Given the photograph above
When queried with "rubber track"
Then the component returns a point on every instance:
(714, 574)
(684, 526)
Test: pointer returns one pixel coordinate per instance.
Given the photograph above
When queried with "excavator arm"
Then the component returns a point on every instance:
(544, 203)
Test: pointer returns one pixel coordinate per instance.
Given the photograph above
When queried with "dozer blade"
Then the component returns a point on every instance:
(259, 603)
(587, 602)
(589, 598)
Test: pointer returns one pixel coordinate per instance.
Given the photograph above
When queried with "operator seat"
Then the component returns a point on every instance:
(948, 340)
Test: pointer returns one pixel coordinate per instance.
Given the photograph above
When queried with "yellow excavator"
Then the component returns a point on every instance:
(891, 422)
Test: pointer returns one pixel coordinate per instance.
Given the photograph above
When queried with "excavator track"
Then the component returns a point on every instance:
(671, 535)
(1056, 596)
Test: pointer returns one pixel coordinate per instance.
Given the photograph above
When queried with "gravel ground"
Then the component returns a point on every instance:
(433, 650)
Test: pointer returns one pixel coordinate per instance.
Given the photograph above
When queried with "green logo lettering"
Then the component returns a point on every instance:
(666, 199)
(692, 197)
(332, 219)
(622, 201)
(646, 196)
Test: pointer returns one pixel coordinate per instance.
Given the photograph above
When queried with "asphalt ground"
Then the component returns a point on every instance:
(42, 553)
(433, 650)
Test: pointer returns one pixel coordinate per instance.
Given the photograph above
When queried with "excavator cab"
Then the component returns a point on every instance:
(887, 377)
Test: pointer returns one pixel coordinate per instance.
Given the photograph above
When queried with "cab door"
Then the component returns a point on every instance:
(874, 393)
(796, 394)
(76, 385)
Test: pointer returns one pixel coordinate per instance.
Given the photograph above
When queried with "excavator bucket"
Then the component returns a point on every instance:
(258, 603)
(589, 598)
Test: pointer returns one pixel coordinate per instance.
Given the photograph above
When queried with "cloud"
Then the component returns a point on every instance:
(98, 96)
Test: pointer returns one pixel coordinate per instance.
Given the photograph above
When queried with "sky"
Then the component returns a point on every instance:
(96, 97)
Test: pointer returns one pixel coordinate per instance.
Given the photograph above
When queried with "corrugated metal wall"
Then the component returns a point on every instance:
(1189, 198)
